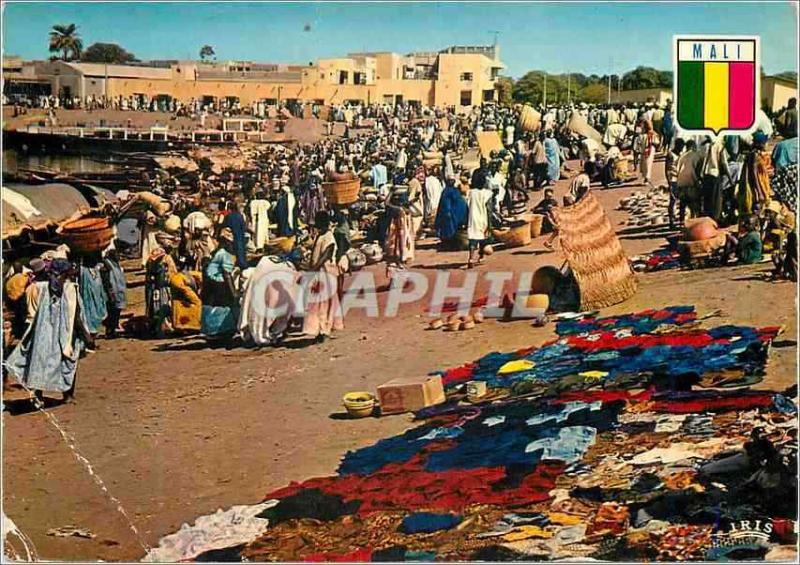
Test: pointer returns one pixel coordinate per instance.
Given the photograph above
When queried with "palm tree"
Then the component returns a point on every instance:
(65, 39)
(206, 51)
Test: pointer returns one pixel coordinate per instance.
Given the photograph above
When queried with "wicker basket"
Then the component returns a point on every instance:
(342, 192)
(516, 236)
(536, 224)
(529, 119)
(87, 235)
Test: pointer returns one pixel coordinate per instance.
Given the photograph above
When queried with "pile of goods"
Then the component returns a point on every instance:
(630, 438)
(701, 239)
(647, 209)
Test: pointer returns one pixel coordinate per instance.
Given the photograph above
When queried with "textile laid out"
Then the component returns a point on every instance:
(597, 445)
(657, 261)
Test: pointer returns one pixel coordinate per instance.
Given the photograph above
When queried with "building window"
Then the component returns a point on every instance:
(466, 77)
(488, 95)
(466, 98)
(343, 76)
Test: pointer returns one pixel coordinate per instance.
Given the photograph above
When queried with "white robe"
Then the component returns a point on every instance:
(433, 193)
(259, 216)
(478, 217)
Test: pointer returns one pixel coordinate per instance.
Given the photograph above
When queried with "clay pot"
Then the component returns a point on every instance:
(467, 325)
(701, 229)
(478, 317)
(435, 324)
(538, 301)
(488, 250)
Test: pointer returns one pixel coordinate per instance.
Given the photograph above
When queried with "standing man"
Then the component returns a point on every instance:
(479, 201)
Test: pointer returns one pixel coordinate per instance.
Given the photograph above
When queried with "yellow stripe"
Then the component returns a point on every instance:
(715, 105)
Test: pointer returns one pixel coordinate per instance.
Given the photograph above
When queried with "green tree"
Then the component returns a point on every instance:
(787, 75)
(65, 39)
(529, 88)
(643, 77)
(595, 93)
(107, 53)
(505, 88)
(206, 52)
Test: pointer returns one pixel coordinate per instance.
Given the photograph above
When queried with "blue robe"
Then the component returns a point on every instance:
(117, 284)
(46, 357)
(452, 213)
(235, 221)
(94, 297)
(553, 153)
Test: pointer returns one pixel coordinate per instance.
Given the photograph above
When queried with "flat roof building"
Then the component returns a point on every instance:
(456, 76)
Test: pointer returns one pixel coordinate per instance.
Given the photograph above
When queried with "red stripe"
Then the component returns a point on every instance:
(741, 95)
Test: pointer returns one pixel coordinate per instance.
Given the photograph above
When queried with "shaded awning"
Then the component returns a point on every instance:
(35, 207)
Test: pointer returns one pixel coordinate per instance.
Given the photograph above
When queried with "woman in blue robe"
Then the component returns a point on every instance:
(220, 312)
(46, 358)
(553, 153)
(93, 294)
(452, 213)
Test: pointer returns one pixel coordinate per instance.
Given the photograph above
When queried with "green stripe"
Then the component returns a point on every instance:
(690, 94)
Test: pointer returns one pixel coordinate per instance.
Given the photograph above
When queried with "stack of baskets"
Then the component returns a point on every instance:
(87, 235)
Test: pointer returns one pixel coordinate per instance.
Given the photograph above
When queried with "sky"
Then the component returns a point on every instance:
(591, 38)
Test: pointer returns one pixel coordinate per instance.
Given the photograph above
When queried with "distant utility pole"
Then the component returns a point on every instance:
(495, 33)
(544, 91)
(569, 94)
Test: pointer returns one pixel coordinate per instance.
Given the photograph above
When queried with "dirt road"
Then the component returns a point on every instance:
(177, 430)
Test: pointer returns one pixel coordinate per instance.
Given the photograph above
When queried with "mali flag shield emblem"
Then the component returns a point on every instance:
(717, 83)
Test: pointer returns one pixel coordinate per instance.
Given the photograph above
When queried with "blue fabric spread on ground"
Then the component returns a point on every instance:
(427, 522)
(503, 444)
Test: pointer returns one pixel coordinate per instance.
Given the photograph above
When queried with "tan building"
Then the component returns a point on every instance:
(660, 96)
(775, 92)
(457, 76)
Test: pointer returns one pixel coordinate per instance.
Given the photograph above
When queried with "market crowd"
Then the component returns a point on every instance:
(207, 239)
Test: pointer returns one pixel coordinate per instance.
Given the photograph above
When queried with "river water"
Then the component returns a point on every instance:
(14, 160)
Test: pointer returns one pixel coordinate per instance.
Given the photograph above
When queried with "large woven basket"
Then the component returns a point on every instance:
(342, 191)
(529, 119)
(87, 235)
(516, 236)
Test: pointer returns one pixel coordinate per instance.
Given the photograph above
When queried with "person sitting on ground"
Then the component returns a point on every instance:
(220, 310)
(187, 307)
(747, 247)
(544, 207)
(779, 221)
(580, 184)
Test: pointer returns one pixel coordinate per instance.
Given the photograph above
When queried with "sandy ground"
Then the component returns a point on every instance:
(177, 430)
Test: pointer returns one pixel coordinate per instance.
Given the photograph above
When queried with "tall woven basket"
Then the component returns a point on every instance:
(342, 191)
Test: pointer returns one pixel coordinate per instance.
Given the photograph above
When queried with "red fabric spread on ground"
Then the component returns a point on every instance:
(463, 373)
(358, 556)
(603, 396)
(714, 404)
(608, 340)
(408, 486)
